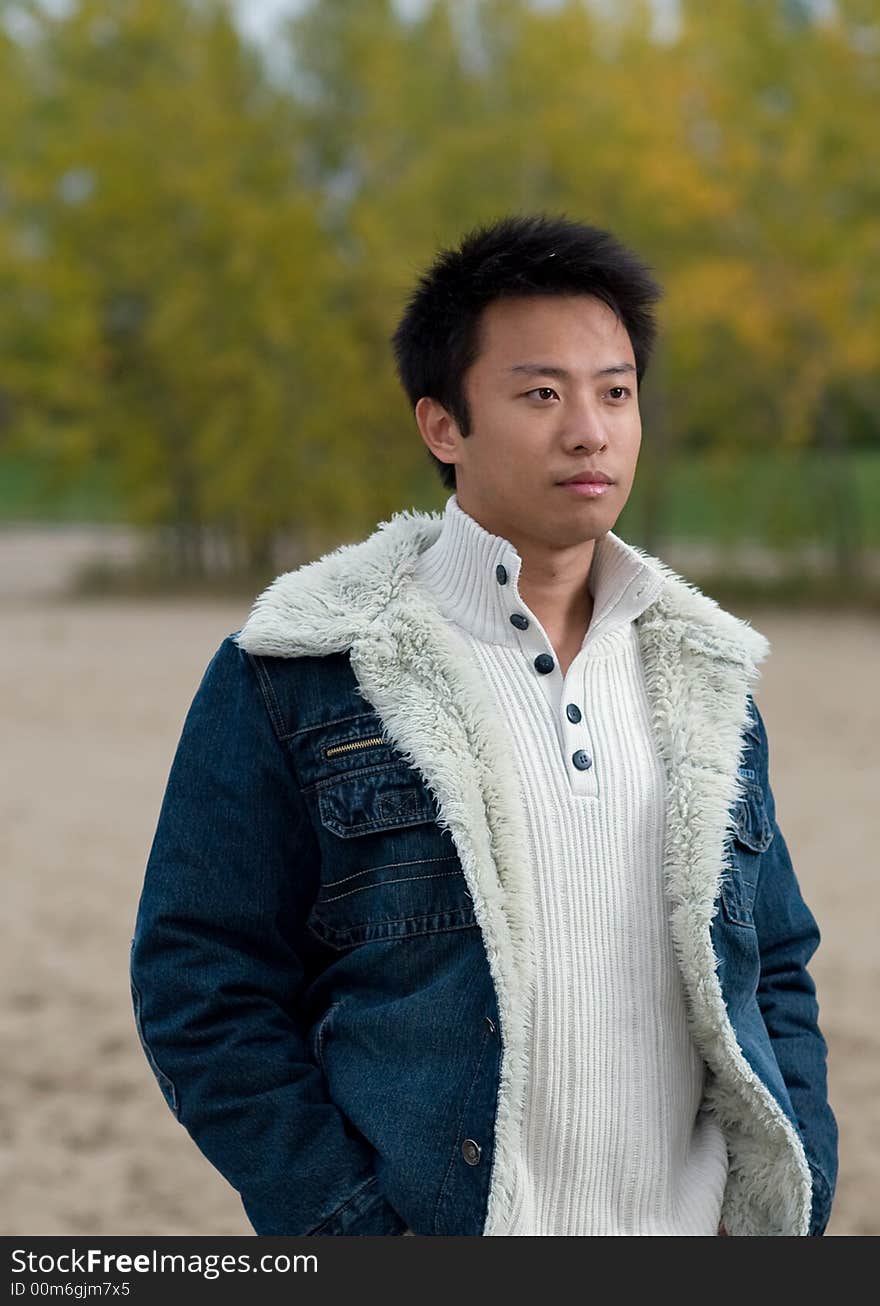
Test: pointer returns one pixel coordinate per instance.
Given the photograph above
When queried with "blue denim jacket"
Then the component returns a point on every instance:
(330, 958)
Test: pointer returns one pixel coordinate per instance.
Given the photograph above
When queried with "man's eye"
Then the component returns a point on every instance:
(542, 390)
(618, 391)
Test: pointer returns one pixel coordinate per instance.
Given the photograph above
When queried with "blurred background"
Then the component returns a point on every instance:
(210, 217)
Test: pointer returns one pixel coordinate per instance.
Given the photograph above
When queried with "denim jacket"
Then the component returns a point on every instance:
(331, 966)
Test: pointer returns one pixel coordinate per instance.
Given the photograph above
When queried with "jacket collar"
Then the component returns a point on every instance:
(328, 605)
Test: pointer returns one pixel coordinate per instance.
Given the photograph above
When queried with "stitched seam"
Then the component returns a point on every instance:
(379, 826)
(752, 796)
(404, 879)
(329, 725)
(268, 691)
(739, 913)
(392, 920)
(348, 1201)
(274, 714)
(414, 861)
(458, 1135)
(341, 776)
(390, 938)
(733, 915)
(741, 836)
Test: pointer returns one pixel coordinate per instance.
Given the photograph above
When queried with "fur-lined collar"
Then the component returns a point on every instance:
(325, 606)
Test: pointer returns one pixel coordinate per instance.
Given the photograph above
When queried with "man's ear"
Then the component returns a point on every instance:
(438, 429)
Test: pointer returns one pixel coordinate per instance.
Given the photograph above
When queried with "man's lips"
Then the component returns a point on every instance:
(582, 478)
(586, 489)
(588, 485)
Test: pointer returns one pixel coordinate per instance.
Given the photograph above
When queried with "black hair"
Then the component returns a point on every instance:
(437, 338)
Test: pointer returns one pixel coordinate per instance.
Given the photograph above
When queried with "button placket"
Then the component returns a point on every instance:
(533, 641)
(575, 746)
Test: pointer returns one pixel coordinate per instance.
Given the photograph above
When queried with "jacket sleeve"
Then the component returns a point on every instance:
(787, 937)
(215, 973)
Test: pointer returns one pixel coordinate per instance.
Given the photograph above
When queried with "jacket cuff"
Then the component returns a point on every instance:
(366, 1214)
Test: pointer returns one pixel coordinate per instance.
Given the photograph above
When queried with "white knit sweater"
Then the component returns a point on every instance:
(614, 1141)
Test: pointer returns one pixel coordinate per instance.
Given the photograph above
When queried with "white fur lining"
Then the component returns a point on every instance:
(414, 670)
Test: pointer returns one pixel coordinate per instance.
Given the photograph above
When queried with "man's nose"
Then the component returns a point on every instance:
(584, 429)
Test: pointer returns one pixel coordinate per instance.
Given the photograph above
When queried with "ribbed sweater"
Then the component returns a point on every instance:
(614, 1139)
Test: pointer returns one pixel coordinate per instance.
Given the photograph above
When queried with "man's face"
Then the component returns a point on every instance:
(552, 393)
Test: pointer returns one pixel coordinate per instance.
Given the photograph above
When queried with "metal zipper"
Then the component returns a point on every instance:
(353, 745)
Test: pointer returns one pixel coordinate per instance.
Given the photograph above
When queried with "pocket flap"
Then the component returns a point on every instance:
(751, 826)
(387, 799)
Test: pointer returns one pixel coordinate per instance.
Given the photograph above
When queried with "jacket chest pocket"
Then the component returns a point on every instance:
(751, 836)
(388, 870)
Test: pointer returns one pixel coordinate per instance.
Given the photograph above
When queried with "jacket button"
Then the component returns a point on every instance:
(544, 663)
(501, 574)
(517, 619)
(490, 1024)
(582, 760)
(573, 712)
(470, 1151)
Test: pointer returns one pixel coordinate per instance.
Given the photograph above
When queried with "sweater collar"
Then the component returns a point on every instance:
(465, 567)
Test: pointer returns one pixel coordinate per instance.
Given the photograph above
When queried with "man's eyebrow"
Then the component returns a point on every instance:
(546, 369)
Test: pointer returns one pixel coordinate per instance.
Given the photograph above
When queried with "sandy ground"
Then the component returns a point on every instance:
(93, 696)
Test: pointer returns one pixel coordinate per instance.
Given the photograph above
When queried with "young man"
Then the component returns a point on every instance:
(467, 910)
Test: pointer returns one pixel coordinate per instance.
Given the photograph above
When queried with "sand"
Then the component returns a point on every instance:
(93, 698)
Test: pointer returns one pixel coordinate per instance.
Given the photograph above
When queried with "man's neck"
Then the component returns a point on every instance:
(555, 587)
(565, 613)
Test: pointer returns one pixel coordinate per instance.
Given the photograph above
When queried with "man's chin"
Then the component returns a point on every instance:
(593, 517)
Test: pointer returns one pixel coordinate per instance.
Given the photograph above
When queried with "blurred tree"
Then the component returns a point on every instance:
(788, 289)
(212, 365)
(385, 104)
(206, 263)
